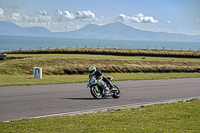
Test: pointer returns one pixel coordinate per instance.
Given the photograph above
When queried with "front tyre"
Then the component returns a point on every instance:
(96, 93)
(117, 93)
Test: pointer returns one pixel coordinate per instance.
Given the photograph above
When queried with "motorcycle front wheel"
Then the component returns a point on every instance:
(117, 93)
(96, 93)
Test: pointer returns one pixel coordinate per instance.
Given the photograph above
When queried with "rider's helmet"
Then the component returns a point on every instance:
(92, 70)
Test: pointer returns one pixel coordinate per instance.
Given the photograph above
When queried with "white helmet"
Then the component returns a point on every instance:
(92, 70)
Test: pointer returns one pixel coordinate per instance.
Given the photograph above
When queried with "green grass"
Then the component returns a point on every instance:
(173, 117)
(170, 117)
(17, 80)
(55, 67)
(60, 64)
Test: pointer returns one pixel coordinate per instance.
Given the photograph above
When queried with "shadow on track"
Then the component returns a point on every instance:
(79, 98)
(84, 98)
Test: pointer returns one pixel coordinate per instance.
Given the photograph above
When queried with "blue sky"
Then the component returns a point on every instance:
(173, 16)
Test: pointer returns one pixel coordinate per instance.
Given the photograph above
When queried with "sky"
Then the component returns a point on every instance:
(172, 16)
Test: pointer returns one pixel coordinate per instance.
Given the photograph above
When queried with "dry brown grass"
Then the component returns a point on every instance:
(121, 52)
(79, 63)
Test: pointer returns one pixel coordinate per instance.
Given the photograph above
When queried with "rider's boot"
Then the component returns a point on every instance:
(107, 91)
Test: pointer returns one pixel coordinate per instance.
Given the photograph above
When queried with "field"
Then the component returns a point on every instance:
(170, 117)
(59, 66)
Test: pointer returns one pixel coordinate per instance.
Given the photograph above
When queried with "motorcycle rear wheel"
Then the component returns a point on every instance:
(96, 93)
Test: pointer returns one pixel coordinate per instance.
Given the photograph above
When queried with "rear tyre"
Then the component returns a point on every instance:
(96, 93)
(116, 94)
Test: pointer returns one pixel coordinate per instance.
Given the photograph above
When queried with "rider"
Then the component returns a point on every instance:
(98, 75)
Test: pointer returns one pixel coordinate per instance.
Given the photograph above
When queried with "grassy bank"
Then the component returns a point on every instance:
(61, 64)
(169, 117)
(73, 68)
(117, 52)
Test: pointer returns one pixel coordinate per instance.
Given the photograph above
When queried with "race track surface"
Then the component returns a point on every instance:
(19, 102)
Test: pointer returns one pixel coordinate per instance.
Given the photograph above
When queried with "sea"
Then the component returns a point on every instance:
(9, 43)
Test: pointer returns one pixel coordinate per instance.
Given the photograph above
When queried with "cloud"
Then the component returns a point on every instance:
(148, 20)
(27, 18)
(1, 13)
(15, 17)
(43, 12)
(122, 17)
(85, 15)
(80, 15)
(58, 13)
(139, 18)
(41, 17)
(67, 15)
(44, 18)
(168, 21)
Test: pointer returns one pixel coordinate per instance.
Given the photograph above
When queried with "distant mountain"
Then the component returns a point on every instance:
(109, 31)
(38, 30)
(124, 32)
(7, 28)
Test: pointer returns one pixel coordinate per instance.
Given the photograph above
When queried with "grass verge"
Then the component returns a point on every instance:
(16, 80)
(169, 117)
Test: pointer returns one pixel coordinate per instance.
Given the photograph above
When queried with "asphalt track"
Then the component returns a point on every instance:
(20, 102)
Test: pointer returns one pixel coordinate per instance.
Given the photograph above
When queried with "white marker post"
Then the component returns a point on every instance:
(37, 72)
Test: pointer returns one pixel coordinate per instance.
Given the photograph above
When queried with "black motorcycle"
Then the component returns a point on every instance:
(97, 89)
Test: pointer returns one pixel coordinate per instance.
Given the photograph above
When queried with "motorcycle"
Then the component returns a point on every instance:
(97, 89)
